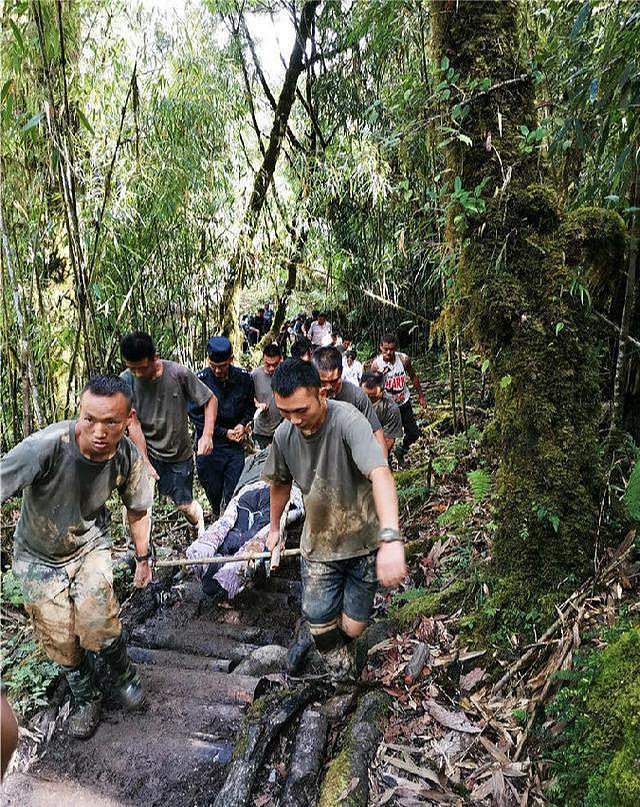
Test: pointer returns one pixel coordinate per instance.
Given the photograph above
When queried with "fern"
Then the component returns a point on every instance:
(632, 494)
(454, 515)
(480, 482)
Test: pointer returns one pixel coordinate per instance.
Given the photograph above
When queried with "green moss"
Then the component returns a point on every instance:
(522, 272)
(430, 603)
(598, 764)
(372, 709)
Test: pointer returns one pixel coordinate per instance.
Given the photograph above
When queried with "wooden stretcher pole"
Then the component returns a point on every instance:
(224, 558)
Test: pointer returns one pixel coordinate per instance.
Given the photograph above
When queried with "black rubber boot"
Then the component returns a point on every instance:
(85, 714)
(299, 648)
(126, 678)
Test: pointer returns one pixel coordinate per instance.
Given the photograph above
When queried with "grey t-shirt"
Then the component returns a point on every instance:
(64, 494)
(266, 422)
(161, 407)
(389, 416)
(331, 467)
(354, 395)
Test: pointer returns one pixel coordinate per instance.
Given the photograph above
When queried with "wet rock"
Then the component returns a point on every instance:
(271, 658)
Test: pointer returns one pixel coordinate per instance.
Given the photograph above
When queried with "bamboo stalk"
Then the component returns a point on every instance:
(224, 558)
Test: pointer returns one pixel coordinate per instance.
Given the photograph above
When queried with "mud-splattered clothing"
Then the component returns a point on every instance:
(346, 586)
(161, 407)
(389, 416)
(331, 467)
(72, 607)
(64, 513)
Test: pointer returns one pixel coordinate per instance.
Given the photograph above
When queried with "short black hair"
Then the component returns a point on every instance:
(292, 374)
(108, 386)
(271, 351)
(371, 379)
(327, 359)
(390, 339)
(301, 346)
(137, 346)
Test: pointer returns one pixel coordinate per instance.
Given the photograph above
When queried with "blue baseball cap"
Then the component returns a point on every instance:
(219, 348)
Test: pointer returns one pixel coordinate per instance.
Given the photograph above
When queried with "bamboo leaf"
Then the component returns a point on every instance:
(83, 120)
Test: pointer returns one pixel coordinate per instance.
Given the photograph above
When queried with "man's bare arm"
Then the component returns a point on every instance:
(140, 528)
(205, 443)
(137, 438)
(414, 380)
(379, 435)
(278, 498)
(391, 568)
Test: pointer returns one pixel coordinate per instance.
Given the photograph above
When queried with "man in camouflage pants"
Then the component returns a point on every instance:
(62, 555)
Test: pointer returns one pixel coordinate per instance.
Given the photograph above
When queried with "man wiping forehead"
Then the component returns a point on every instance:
(351, 537)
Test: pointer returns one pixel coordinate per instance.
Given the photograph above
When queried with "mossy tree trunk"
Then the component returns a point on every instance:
(522, 266)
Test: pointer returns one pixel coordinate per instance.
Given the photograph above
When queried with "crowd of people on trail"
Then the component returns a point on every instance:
(326, 427)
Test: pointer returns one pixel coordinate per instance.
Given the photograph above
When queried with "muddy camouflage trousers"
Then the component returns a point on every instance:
(72, 607)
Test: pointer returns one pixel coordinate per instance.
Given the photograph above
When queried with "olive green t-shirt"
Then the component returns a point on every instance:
(265, 422)
(356, 396)
(161, 407)
(389, 416)
(331, 467)
(64, 494)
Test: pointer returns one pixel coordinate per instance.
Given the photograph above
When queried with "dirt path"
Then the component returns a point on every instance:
(176, 752)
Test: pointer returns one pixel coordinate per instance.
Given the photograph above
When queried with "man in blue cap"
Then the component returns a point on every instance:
(233, 388)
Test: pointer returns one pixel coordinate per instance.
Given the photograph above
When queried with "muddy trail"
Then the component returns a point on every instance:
(190, 654)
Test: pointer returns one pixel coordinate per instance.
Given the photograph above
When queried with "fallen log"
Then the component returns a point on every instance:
(347, 779)
(301, 786)
(263, 723)
(203, 644)
(221, 687)
(171, 658)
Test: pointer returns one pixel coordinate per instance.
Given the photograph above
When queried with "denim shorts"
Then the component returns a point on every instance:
(176, 479)
(332, 587)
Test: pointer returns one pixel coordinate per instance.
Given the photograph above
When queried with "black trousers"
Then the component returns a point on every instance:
(411, 431)
(219, 472)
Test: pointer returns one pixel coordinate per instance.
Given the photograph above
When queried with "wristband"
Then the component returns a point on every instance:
(387, 535)
(142, 558)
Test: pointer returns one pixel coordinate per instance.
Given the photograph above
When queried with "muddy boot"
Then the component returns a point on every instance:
(300, 647)
(85, 714)
(340, 664)
(125, 675)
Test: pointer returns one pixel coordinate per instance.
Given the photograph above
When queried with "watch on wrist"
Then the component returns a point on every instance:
(387, 535)
(142, 558)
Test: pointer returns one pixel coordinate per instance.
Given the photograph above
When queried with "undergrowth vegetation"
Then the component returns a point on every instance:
(596, 714)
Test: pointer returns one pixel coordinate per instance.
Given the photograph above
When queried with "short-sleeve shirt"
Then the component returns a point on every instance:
(319, 335)
(358, 398)
(389, 416)
(395, 376)
(64, 494)
(331, 467)
(265, 422)
(161, 407)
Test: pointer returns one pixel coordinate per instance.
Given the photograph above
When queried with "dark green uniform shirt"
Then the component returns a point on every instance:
(331, 467)
(64, 494)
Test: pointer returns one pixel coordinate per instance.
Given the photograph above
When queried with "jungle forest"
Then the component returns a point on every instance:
(454, 184)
